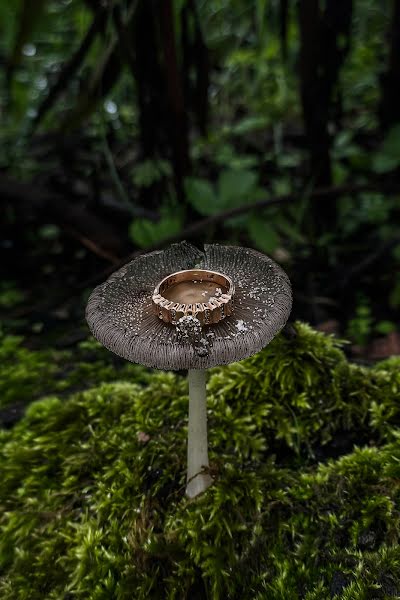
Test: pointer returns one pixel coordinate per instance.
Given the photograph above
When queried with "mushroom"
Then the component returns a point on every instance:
(182, 308)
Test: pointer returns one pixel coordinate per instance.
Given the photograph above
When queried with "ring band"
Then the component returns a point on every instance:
(219, 306)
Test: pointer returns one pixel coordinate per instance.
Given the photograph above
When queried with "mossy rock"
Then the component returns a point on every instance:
(92, 493)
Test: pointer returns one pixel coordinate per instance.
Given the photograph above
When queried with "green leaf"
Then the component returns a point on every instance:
(235, 186)
(201, 195)
(281, 186)
(249, 124)
(290, 159)
(151, 171)
(262, 234)
(382, 163)
(226, 156)
(388, 156)
(340, 173)
(396, 252)
(10, 296)
(144, 232)
(49, 231)
(385, 327)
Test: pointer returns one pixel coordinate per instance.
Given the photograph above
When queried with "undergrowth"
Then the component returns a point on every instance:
(92, 495)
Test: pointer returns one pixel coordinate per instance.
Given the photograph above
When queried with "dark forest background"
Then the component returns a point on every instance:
(274, 124)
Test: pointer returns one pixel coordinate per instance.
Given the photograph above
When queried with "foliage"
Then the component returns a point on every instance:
(149, 171)
(234, 187)
(387, 158)
(91, 510)
(145, 233)
(361, 326)
(10, 296)
(249, 147)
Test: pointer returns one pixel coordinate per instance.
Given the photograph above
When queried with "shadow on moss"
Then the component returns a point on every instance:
(93, 503)
(26, 375)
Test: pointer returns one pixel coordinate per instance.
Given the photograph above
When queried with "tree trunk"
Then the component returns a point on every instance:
(283, 25)
(177, 120)
(389, 110)
(321, 57)
(149, 80)
(313, 96)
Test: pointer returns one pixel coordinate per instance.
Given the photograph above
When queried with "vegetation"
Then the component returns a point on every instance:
(127, 124)
(304, 452)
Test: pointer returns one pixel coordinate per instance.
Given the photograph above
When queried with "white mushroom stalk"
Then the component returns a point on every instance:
(198, 480)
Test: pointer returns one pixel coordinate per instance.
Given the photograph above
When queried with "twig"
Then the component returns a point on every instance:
(92, 246)
(115, 178)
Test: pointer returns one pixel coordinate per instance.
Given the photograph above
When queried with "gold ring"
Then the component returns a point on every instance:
(194, 285)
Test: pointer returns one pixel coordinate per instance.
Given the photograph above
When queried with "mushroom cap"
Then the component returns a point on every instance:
(121, 316)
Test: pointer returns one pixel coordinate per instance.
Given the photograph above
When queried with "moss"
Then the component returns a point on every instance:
(26, 374)
(385, 407)
(92, 510)
(300, 393)
(22, 373)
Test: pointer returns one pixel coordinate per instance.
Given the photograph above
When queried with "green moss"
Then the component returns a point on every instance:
(26, 374)
(23, 374)
(91, 511)
(385, 406)
(300, 393)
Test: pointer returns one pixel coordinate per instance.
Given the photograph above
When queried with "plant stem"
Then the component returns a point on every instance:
(197, 454)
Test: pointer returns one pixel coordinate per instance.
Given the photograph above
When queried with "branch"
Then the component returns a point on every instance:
(70, 67)
(207, 222)
(69, 295)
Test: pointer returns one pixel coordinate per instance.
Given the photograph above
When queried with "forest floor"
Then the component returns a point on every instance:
(304, 452)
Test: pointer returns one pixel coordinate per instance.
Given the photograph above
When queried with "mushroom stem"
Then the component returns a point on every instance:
(197, 454)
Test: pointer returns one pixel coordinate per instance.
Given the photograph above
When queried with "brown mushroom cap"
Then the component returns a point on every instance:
(120, 313)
